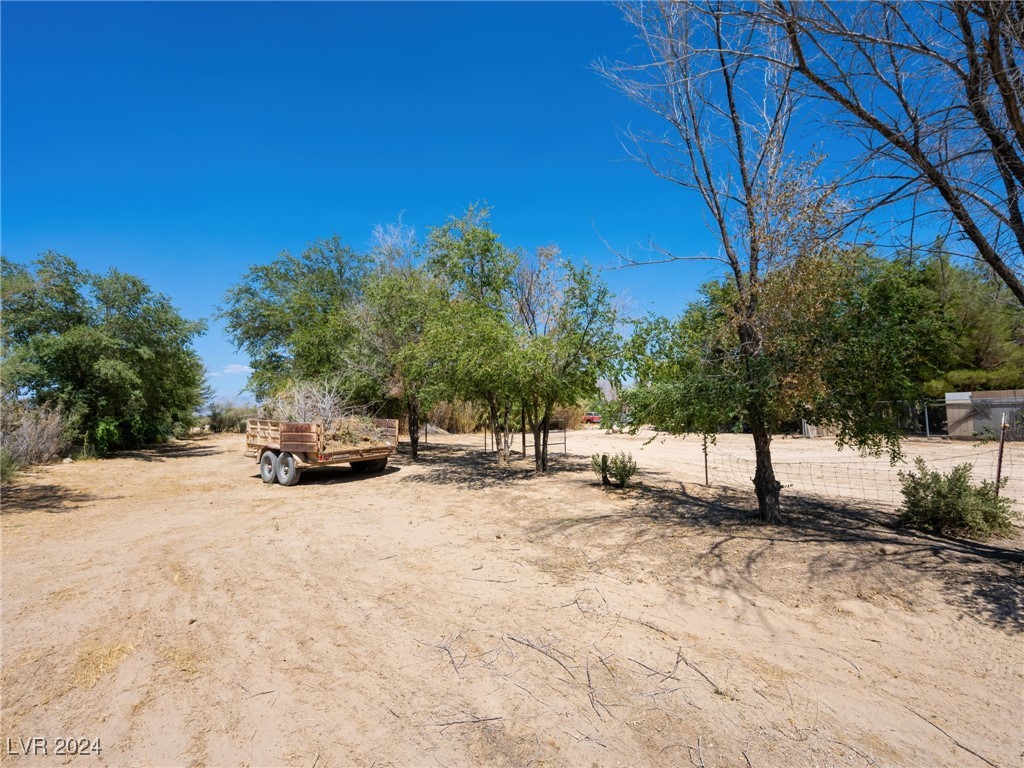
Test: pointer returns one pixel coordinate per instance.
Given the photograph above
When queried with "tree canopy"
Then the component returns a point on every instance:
(462, 317)
(289, 315)
(116, 357)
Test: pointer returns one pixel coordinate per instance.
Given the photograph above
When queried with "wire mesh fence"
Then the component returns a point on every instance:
(968, 418)
(853, 479)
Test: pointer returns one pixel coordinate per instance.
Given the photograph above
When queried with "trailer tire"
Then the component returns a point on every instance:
(268, 466)
(287, 472)
(373, 465)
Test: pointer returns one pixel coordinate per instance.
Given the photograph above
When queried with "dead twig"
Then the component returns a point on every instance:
(603, 664)
(537, 648)
(446, 648)
(452, 660)
(700, 754)
(652, 694)
(962, 746)
(700, 672)
(652, 670)
(826, 650)
(672, 746)
(647, 624)
(316, 760)
(467, 721)
(865, 755)
(592, 694)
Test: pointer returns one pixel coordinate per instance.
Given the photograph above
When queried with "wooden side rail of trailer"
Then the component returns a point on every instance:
(285, 448)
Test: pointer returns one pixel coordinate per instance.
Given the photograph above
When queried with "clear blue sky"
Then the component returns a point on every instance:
(184, 142)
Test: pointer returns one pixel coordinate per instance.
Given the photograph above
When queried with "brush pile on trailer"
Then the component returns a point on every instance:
(284, 449)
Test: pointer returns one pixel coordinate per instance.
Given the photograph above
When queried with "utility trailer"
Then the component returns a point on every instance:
(285, 448)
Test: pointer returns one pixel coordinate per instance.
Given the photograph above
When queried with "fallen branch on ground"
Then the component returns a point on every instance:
(537, 648)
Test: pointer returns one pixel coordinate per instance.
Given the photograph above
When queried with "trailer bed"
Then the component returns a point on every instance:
(285, 448)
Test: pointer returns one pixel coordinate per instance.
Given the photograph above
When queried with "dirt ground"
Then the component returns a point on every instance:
(169, 604)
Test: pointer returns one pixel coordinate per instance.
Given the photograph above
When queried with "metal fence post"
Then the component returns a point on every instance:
(1002, 440)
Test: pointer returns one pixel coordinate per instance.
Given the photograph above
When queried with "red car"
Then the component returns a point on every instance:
(592, 418)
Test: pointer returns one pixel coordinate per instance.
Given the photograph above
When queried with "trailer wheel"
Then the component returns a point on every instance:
(374, 465)
(268, 466)
(287, 472)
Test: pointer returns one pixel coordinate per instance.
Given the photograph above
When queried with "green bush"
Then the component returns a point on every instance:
(619, 467)
(599, 463)
(950, 504)
(105, 435)
(228, 417)
(8, 466)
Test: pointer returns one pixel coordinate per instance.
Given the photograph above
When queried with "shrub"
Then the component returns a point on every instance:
(457, 417)
(36, 436)
(228, 417)
(8, 466)
(571, 416)
(950, 504)
(105, 436)
(619, 467)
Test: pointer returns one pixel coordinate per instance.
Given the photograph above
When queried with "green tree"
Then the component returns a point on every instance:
(470, 353)
(114, 356)
(721, 82)
(728, 112)
(566, 320)
(470, 349)
(518, 335)
(839, 333)
(293, 316)
(982, 325)
(399, 301)
(468, 257)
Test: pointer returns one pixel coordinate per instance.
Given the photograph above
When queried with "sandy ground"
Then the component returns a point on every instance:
(169, 604)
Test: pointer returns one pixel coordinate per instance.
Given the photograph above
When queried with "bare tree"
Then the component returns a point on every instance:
(934, 92)
(323, 400)
(721, 81)
(394, 245)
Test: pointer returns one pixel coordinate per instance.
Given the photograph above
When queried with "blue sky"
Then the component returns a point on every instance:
(184, 142)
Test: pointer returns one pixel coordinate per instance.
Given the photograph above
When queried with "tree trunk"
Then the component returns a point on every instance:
(765, 484)
(540, 428)
(501, 420)
(522, 426)
(546, 426)
(497, 433)
(413, 406)
(507, 437)
(538, 448)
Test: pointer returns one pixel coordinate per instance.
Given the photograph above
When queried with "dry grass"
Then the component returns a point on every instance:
(63, 596)
(356, 431)
(187, 659)
(98, 657)
(181, 577)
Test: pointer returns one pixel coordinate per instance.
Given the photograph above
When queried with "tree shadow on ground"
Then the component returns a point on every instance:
(985, 580)
(52, 498)
(340, 475)
(476, 470)
(179, 449)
